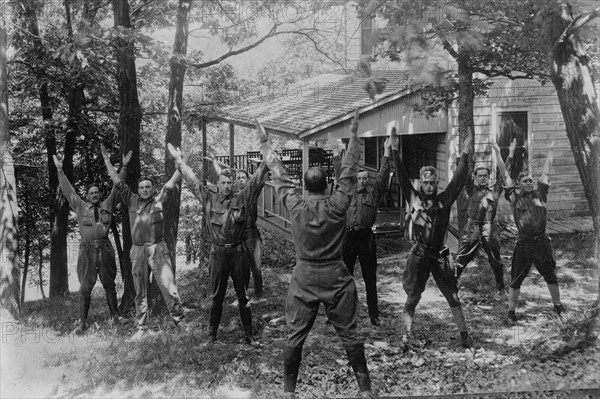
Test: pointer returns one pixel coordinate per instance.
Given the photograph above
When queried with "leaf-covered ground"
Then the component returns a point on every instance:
(41, 358)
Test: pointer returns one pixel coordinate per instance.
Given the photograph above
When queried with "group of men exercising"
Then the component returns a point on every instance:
(330, 229)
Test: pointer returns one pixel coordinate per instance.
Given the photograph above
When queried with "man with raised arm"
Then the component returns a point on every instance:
(226, 216)
(481, 228)
(533, 244)
(149, 250)
(360, 240)
(96, 254)
(252, 236)
(320, 276)
(430, 214)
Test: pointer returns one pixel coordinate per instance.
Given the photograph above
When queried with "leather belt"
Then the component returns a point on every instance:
(231, 245)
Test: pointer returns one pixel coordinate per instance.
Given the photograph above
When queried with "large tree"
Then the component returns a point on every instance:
(9, 267)
(570, 71)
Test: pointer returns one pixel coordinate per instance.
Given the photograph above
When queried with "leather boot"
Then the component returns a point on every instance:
(246, 316)
(292, 356)
(111, 299)
(358, 362)
(84, 308)
(408, 318)
(215, 319)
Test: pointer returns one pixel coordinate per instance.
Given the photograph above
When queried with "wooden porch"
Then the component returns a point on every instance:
(390, 221)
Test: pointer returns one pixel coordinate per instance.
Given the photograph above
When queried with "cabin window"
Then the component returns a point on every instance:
(514, 125)
(373, 147)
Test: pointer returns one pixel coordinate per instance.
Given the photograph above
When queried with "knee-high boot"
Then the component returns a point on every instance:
(246, 316)
(215, 319)
(292, 356)
(358, 361)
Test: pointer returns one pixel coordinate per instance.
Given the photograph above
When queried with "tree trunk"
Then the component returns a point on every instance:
(9, 265)
(27, 250)
(58, 207)
(130, 118)
(41, 270)
(578, 101)
(174, 116)
(466, 97)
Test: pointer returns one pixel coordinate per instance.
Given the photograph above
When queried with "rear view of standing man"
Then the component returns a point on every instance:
(96, 254)
(320, 276)
(360, 240)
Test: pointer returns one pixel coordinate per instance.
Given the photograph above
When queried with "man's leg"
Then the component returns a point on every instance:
(467, 247)
(160, 263)
(491, 245)
(218, 273)
(139, 272)
(447, 284)
(301, 308)
(107, 272)
(368, 263)
(521, 263)
(351, 250)
(416, 274)
(342, 306)
(86, 273)
(254, 255)
(545, 263)
(240, 275)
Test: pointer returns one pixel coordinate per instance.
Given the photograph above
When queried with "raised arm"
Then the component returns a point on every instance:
(337, 155)
(284, 186)
(381, 179)
(504, 175)
(69, 192)
(183, 170)
(402, 175)
(461, 174)
(547, 165)
(347, 180)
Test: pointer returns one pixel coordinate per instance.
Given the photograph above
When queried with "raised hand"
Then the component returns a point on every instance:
(109, 166)
(354, 123)
(334, 144)
(57, 162)
(394, 140)
(127, 158)
(262, 133)
(512, 147)
(496, 148)
(175, 153)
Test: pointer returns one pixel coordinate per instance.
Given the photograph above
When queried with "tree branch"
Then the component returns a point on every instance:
(577, 23)
(447, 46)
(318, 48)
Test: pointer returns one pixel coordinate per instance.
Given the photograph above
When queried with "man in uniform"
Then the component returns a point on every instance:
(96, 254)
(481, 229)
(226, 216)
(360, 240)
(430, 214)
(149, 250)
(252, 237)
(533, 244)
(320, 276)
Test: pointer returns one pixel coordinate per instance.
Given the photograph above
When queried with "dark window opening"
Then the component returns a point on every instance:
(513, 125)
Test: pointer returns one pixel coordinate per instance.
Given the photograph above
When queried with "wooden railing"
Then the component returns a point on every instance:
(269, 206)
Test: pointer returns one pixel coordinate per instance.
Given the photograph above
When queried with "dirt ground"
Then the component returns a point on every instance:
(542, 355)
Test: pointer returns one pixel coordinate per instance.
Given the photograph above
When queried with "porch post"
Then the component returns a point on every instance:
(231, 147)
(204, 161)
(304, 163)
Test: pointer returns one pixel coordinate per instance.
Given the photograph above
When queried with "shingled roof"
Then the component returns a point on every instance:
(301, 108)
